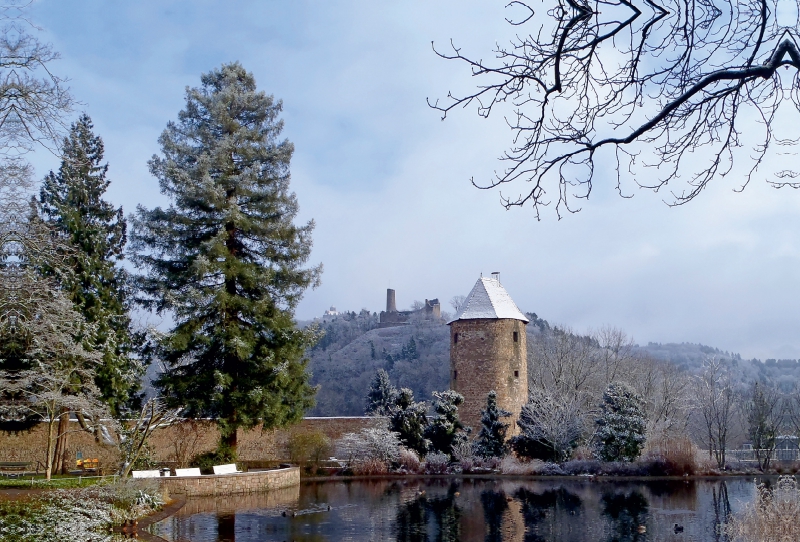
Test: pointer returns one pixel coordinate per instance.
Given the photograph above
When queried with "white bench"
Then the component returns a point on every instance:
(226, 469)
(146, 474)
(187, 472)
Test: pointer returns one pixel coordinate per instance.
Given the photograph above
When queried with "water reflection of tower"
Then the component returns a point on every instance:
(488, 351)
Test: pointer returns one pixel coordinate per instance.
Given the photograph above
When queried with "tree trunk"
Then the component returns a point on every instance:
(229, 441)
(48, 462)
(60, 463)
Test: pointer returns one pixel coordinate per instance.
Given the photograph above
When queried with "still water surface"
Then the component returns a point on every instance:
(571, 510)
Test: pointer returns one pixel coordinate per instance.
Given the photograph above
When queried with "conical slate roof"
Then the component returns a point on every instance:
(489, 300)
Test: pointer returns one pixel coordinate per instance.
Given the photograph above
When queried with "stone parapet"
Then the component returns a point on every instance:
(231, 484)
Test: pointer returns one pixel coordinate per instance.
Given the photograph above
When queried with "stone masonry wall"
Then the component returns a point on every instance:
(179, 443)
(231, 484)
(485, 357)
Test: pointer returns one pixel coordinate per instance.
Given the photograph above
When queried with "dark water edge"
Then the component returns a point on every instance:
(453, 509)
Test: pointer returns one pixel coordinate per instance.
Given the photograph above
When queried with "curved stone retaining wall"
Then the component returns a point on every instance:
(231, 484)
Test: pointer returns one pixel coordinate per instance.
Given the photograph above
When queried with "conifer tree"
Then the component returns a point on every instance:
(381, 395)
(409, 418)
(492, 437)
(71, 202)
(446, 429)
(225, 260)
(621, 426)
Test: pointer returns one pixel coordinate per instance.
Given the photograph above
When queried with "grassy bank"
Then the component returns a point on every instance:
(77, 514)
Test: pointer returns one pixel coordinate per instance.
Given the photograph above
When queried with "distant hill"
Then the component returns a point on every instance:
(416, 356)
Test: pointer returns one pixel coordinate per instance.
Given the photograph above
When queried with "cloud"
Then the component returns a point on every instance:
(388, 183)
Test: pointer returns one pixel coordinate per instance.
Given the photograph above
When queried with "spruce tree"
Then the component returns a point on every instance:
(71, 202)
(381, 395)
(621, 427)
(409, 418)
(446, 429)
(225, 260)
(492, 437)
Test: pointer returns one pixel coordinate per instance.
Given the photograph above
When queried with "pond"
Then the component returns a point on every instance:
(451, 509)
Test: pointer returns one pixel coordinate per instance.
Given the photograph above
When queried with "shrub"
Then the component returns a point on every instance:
(527, 447)
(365, 449)
(551, 469)
(512, 465)
(409, 461)
(370, 466)
(207, 460)
(464, 455)
(311, 447)
(436, 463)
(621, 426)
(582, 466)
(550, 426)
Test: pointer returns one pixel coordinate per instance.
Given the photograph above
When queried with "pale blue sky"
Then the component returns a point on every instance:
(388, 183)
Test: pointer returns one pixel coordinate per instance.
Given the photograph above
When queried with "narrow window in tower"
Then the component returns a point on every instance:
(516, 373)
(516, 337)
(455, 338)
(455, 375)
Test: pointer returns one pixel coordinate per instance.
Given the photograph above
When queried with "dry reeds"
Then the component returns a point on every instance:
(772, 517)
(409, 461)
(512, 465)
(678, 455)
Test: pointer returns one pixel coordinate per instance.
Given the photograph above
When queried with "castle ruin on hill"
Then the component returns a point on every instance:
(392, 317)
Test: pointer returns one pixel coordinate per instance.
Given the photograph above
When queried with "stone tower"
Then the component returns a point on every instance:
(488, 351)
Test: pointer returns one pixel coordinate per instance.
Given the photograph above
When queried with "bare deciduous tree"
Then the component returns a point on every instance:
(716, 405)
(764, 413)
(552, 419)
(154, 415)
(658, 89)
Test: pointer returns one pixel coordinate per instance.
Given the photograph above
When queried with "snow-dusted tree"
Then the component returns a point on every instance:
(457, 301)
(764, 413)
(381, 396)
(667, 391)
(491, 441)
(135, 434)
(622, 427)
(371, 444)
(445, 428)
(225, 260)
(408, 419)
(563, 362)
(550, 426)
(56, 372)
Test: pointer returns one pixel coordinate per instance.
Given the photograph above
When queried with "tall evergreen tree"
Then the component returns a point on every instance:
(381, 395)
(492, 437)
(226, 260)
(71, 202)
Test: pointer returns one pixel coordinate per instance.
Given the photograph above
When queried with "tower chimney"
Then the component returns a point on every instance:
(391, 305)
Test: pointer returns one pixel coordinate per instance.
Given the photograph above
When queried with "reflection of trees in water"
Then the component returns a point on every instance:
(626, 512)
(555, 503)
(722, 510)
(494, 507)
(414, 518)
(226, 527)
